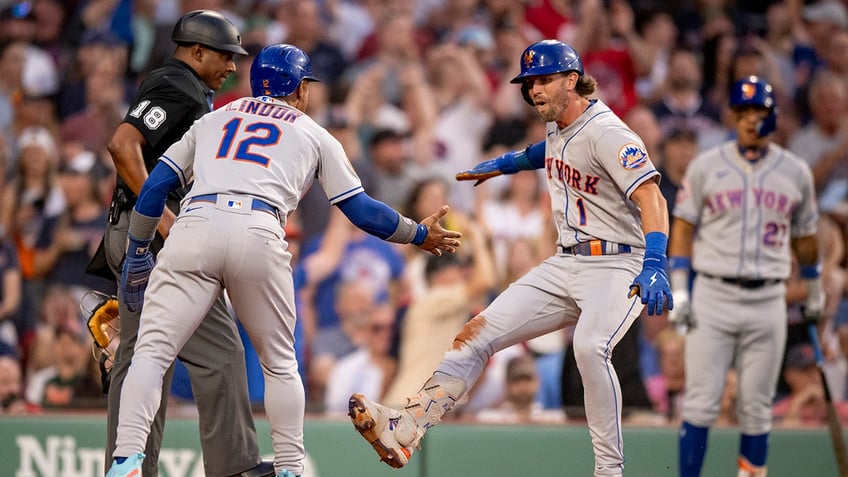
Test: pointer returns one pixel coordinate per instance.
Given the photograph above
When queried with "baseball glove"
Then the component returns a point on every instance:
(104, 324)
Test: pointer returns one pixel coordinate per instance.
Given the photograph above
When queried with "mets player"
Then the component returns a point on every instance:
(613, 226)
(250, 163)
(742, 206)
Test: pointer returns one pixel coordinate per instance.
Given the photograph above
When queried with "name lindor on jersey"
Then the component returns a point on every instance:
(266, 110)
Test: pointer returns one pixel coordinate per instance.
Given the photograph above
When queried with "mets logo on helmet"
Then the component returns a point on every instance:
(528, 58)
(632, 156)
(748, 91)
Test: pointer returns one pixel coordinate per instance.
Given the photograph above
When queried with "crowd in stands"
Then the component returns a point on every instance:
(416, 90)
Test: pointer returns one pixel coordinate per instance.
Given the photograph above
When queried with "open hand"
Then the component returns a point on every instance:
(439, 239)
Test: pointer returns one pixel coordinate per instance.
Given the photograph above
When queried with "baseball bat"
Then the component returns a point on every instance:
(833, 424)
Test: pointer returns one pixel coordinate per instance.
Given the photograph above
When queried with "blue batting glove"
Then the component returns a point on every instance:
(504, 164)
(481, 172)
(135, 272)
(652, 283)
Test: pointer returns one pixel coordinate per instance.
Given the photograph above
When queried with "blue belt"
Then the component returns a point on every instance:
(256, 204)
(595, 247)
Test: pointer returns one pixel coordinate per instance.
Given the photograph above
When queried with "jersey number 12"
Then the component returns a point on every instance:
(257, 135)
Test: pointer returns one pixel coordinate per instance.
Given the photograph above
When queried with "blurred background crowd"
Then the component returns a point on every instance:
(416, 90)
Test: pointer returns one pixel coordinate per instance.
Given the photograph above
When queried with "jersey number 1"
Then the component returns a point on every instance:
(258, 135)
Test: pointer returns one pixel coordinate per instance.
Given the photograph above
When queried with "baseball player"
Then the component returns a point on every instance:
(167, 103)
(612, 223)
(744, 203)
(250, 163)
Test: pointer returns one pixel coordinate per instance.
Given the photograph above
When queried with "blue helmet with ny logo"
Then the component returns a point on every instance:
(277, 71)
(544, 58)
(755, 91)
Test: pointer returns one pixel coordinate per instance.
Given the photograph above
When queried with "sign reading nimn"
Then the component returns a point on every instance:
(59, 456)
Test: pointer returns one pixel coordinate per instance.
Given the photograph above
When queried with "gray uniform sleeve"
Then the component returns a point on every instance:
(335, 172)
(806, 215)
(180, 156)
(690, 194)
(632, 165)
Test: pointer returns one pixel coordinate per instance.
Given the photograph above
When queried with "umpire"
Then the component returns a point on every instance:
(169, 100)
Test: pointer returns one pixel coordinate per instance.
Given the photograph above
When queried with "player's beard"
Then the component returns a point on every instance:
(555, 106)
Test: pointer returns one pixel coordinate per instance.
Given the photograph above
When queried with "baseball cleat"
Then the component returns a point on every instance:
(263, 469)
(392, 433)
(285, 473)
(131, 467)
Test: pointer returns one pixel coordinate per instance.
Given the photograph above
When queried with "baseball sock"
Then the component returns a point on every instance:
(692, 449)
(753, 451)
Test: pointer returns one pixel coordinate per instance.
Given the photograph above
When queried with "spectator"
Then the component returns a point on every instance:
(521, 212)
(520, 405)
(454, 289)
(805, 404)
(32, 209)
(99, 53)
(10, 294)
(11, 388)
(306, 29)
(354, 302)
(370, 367)
(823, 143)
(611, 48)
(641, 119)
(666, 389)
(395, 172)
(682, 105)
(105, 107)
(659, 34)
(678, 149)
(422, 196)
(69, 382)
(81, 233)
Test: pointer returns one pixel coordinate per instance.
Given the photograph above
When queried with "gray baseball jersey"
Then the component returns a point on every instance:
(593, 165)
(250, 163)
(592, 168)
(745, 214)
(288, 149)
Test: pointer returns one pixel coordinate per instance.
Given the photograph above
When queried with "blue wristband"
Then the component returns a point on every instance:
(420, 235)
(136, 247)
(655, 245)
(679, 263)
(812, 271)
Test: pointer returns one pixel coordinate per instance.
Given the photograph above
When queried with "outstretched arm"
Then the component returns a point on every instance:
(531, 157)
(382, 221)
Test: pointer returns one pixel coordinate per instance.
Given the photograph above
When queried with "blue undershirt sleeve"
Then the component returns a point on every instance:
(536, 155)
(154, 192)
(370, 215)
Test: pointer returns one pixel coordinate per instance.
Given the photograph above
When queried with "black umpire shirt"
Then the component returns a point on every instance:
(168, 102)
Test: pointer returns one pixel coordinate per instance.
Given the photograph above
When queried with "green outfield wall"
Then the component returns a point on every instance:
(72, 446)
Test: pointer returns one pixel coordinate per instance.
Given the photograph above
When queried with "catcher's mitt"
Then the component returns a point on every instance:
(104, 324)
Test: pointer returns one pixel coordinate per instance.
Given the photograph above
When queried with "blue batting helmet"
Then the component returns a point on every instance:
(754, 91)
(544, 58)
(277, 71)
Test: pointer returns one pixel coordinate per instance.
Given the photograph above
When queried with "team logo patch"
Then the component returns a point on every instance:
(632, 156)
(748, 91)
(528, 58)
